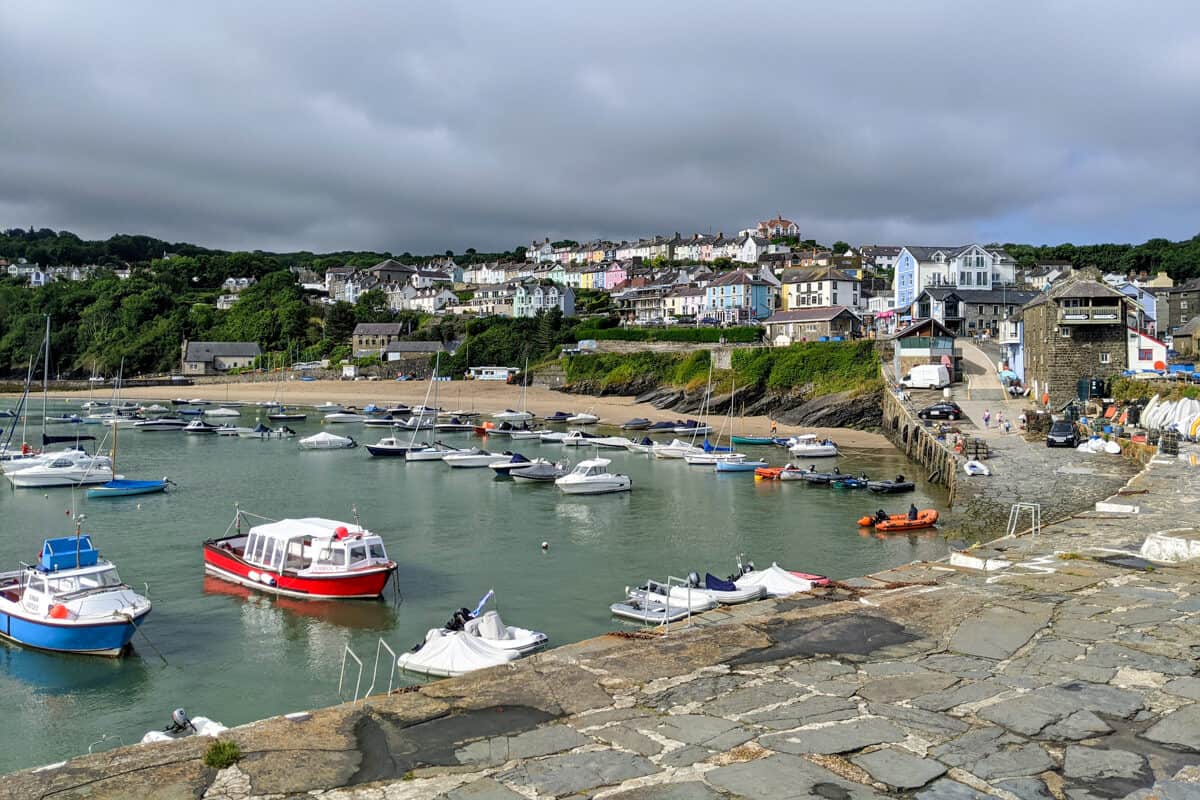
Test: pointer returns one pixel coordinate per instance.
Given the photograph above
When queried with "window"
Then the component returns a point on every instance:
(981, 279)
(1064, 332)
(1145, 354)
(1104, 358)
(1183, 305)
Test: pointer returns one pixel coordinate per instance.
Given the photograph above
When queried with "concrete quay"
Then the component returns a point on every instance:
(1066, 670)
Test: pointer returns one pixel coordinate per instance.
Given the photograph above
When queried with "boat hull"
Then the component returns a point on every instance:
(594, 487)
(367, 584)
(118, 488)
(100, 639)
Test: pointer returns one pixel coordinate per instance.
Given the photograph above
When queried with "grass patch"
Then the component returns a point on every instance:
(1127, 389)
(222, 753)
(741, 335)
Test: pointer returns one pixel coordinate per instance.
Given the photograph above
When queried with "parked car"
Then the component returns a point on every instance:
(946, 409)
(1062, 434)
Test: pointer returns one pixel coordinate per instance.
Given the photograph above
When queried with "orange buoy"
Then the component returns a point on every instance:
(59, 611)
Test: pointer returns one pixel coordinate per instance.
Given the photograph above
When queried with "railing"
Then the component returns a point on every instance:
(348, 653)
(391, 672)
(926, 343)
(1086, 315)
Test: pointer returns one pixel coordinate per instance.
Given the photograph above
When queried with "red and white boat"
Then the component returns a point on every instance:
(314, 558)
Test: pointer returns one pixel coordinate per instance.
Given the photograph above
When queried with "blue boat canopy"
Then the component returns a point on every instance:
(61, 553)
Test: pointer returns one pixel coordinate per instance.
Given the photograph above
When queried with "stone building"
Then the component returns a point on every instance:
(213, 358)
(1076, 330)
(811, 324)
(370, 338)
(1176, 305)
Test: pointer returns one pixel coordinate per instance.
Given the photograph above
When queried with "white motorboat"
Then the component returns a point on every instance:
(417, 422)
(329, 407)
(476, 459)
(222, 411)
(583, 418)
(68, 470)
(118, 421)
(695, 430)
(199, 401)
(644, 446)
(612, 442)
(327, 441)
(508, 415)
(433, 452)
(18, 461)
(199, 426)
(676, 448)
(448, 654)
(810, 446)
(161, 424)
(153, 409)
(552, 437)
(524, 434)
(709, 459)
(342, 416)
(724, 592)
(591, 476)
(261, 431)
(517, 462)
(577, 439)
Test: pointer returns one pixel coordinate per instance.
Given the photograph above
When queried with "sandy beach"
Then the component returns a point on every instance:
(483, 397)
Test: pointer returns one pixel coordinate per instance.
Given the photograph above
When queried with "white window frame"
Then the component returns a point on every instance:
(1105, 358)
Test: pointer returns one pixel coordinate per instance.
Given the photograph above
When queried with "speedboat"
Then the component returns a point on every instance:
(390, 446)
(583, 418)
(473, 459)
(187, 412)
(516, 461)
(342, 416)
(261, 431)
(161, 424)
(64, 419)
(435, 452)
(558, 416)
(613, 442)
(26, 457)
(72, 469)
(199, 426)
(327, 441)
(508, 415)
(153, 409)
(635, 424)
(416, 422)
(199, 401)
(379, 422)
(577, 439)
(223, 411)
(329, 407)
(543, 472)
(591, 476)
(739, 465)
(312, 558)
(71, 601)
(925, 518)
(676, 448)
(552, 437)
(448, 654)
(398, 410)
(230, 430)
(807, 444)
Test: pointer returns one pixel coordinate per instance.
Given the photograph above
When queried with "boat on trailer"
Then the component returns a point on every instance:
(312, 558)
(71, 601)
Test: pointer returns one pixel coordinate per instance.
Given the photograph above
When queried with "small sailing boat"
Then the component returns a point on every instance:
(121, 486)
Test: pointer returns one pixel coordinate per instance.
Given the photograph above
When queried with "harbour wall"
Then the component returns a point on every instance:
(919, 444)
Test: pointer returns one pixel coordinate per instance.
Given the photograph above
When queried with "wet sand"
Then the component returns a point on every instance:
(483, 397)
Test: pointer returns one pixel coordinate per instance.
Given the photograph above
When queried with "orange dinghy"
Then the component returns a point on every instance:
(926, 518)
(767, 473)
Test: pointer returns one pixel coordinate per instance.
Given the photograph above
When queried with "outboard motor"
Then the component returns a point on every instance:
(693, 580)
(180, 723)
(460, 619)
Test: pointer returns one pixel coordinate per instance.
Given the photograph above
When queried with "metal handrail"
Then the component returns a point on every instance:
(346, 651)
(375, 671)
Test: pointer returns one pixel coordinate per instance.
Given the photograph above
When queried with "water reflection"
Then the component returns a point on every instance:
(263, 612)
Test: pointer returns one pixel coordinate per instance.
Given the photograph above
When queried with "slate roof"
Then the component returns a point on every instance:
(207, 351)
(378, 329)
(738, 278)
(814, 314)
(816, 274)
(1018, 297)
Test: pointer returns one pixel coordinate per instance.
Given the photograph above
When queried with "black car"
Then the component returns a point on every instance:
(1062, 434)
(943, 410)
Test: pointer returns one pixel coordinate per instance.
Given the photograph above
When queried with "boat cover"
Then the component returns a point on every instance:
(49, 438)
(716, 584)
(777, 581)
(452, 653)
(492, 629)
(204, 727)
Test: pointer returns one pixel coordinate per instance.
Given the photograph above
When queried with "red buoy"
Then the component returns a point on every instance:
(340, 532)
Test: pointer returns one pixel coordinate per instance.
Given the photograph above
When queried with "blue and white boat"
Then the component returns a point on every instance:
(745, 465)
(120, 487)
(71, 601)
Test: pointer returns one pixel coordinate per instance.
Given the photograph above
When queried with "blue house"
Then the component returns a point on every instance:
(739, 296)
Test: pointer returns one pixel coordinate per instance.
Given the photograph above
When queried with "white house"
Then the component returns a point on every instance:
(969, 266)
(820, 287)
(775, 228)
(235, 285)
(684, 301)
(528, 300)
(751, 248)
(431, 301)
(1144, 351)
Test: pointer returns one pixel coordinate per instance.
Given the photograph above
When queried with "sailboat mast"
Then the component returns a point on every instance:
(437, 360)
(46, 378)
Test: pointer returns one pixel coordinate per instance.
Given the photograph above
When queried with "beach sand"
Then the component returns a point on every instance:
(483, 397)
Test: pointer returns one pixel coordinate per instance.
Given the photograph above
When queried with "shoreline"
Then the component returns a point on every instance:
(483, 397)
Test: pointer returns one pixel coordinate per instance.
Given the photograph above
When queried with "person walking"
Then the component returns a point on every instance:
(774, 427)
(1000, 419)
(987, 418)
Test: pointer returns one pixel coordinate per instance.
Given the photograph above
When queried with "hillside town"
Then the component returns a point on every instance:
(1052, 323)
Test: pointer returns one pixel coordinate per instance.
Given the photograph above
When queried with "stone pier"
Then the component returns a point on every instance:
(1067, 669)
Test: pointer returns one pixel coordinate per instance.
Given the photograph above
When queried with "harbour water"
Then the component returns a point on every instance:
(235, 656)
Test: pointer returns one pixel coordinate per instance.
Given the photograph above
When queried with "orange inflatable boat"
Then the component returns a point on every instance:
(926, 518)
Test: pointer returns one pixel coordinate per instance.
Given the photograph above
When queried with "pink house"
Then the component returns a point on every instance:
(615, 274)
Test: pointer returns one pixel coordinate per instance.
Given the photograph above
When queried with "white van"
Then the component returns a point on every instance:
(926, 376)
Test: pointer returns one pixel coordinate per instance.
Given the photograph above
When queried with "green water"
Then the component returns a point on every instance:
(236, 656)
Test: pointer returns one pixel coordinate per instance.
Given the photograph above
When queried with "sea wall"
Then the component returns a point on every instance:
(1062, 666)
(909, 434)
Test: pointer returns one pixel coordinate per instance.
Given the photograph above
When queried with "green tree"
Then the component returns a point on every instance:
(840, 247)
(373, 306)
(340, 322)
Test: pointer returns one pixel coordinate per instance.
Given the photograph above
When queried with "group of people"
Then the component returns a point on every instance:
(1001, 423)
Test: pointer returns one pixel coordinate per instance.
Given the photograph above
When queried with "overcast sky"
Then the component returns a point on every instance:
(426, 127)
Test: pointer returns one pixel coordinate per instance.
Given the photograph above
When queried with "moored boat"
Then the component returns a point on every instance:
(473, 459)
(739, 465)
(391, 446)
(312, 558)
(327, 441)
(342, 417)
(635, 424)
(893, 486)
(121, 487)
(199, 426)
(591, 476)
(808, 445)
(71, 601)
(583, 418)
(161, 424)
(755, 440)
(558, 416)
(923, 518)
(538, 473)
(74, 468)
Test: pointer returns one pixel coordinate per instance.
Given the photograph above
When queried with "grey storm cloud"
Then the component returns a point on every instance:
(423, 127)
